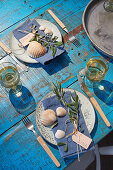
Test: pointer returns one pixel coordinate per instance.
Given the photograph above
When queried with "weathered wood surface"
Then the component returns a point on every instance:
(19, 148)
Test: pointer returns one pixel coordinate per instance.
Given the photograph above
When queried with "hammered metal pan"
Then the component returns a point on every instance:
(98, 25)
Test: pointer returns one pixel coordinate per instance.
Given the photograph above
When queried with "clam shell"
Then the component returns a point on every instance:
(48, 117)
(60, 111)
(35, 49)
(48, 31)
(59, 134)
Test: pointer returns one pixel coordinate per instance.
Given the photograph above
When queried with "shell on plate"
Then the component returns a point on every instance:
(48, 117)
(35, 49)
(42, 28)
(48, 31)
(60, 111)
(59, 134)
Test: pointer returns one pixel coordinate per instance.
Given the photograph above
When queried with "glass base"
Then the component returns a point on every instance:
(16, 90)
(91, 84)
(23, 101)
(104, 92)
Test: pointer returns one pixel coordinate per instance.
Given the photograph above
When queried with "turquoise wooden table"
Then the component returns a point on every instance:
(19, 148)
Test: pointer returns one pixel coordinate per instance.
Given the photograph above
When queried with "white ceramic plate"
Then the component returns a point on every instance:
(86, 108)
(20, 53)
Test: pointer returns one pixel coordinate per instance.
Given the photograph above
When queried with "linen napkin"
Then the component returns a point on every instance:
(53, 103)
(26, 27)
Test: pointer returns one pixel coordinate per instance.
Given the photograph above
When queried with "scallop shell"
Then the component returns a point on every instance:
(42, 28)
(35, 49)
(48, 117)
(48, 31)
(60, 111)
(59, 134)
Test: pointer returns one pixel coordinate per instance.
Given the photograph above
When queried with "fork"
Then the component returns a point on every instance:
(30, 126)
(72, 39)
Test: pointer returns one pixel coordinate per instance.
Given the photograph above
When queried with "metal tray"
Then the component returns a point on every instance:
(98, 25)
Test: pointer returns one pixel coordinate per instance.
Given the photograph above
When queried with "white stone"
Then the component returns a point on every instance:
(60, 111)
(42, 28)
(59, 134)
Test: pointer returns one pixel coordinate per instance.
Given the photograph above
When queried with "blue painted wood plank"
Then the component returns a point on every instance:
(10, 14)
(13, 12)
(9, 22)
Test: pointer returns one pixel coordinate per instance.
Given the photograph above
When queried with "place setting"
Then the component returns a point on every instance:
(36, 40)
(64, 114)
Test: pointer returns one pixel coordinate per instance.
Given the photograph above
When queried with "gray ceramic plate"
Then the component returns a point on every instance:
(86, 108)
(20, 53)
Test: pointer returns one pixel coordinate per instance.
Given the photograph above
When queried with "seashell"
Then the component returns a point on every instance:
(42, 28)
(60, 111)
(48, 31)
(48, 117)
(59, 134)
(35, 49)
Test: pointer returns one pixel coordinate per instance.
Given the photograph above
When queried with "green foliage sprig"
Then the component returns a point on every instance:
(47, 40)
(72, 108)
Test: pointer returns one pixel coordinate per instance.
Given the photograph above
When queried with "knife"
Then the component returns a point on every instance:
(58, 21)
(8, 51)
(93, 100)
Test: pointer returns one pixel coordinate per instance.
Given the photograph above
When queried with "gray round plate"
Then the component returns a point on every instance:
(98, 25)
(86, 108)
(20, 53)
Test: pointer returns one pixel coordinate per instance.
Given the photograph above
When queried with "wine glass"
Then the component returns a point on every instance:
(108, 5)
(95, 70)
(10, 78)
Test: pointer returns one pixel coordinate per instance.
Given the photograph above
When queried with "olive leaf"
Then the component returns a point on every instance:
(51, 48)
(58, 43)
(60, 144)
(54, 51)
(66, 148)
(54, 38)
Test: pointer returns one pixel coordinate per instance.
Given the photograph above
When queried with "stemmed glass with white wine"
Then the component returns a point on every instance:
(10, 78)
(95, 70)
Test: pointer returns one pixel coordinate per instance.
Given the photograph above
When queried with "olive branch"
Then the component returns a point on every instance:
(72, 108)
(46, 41)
